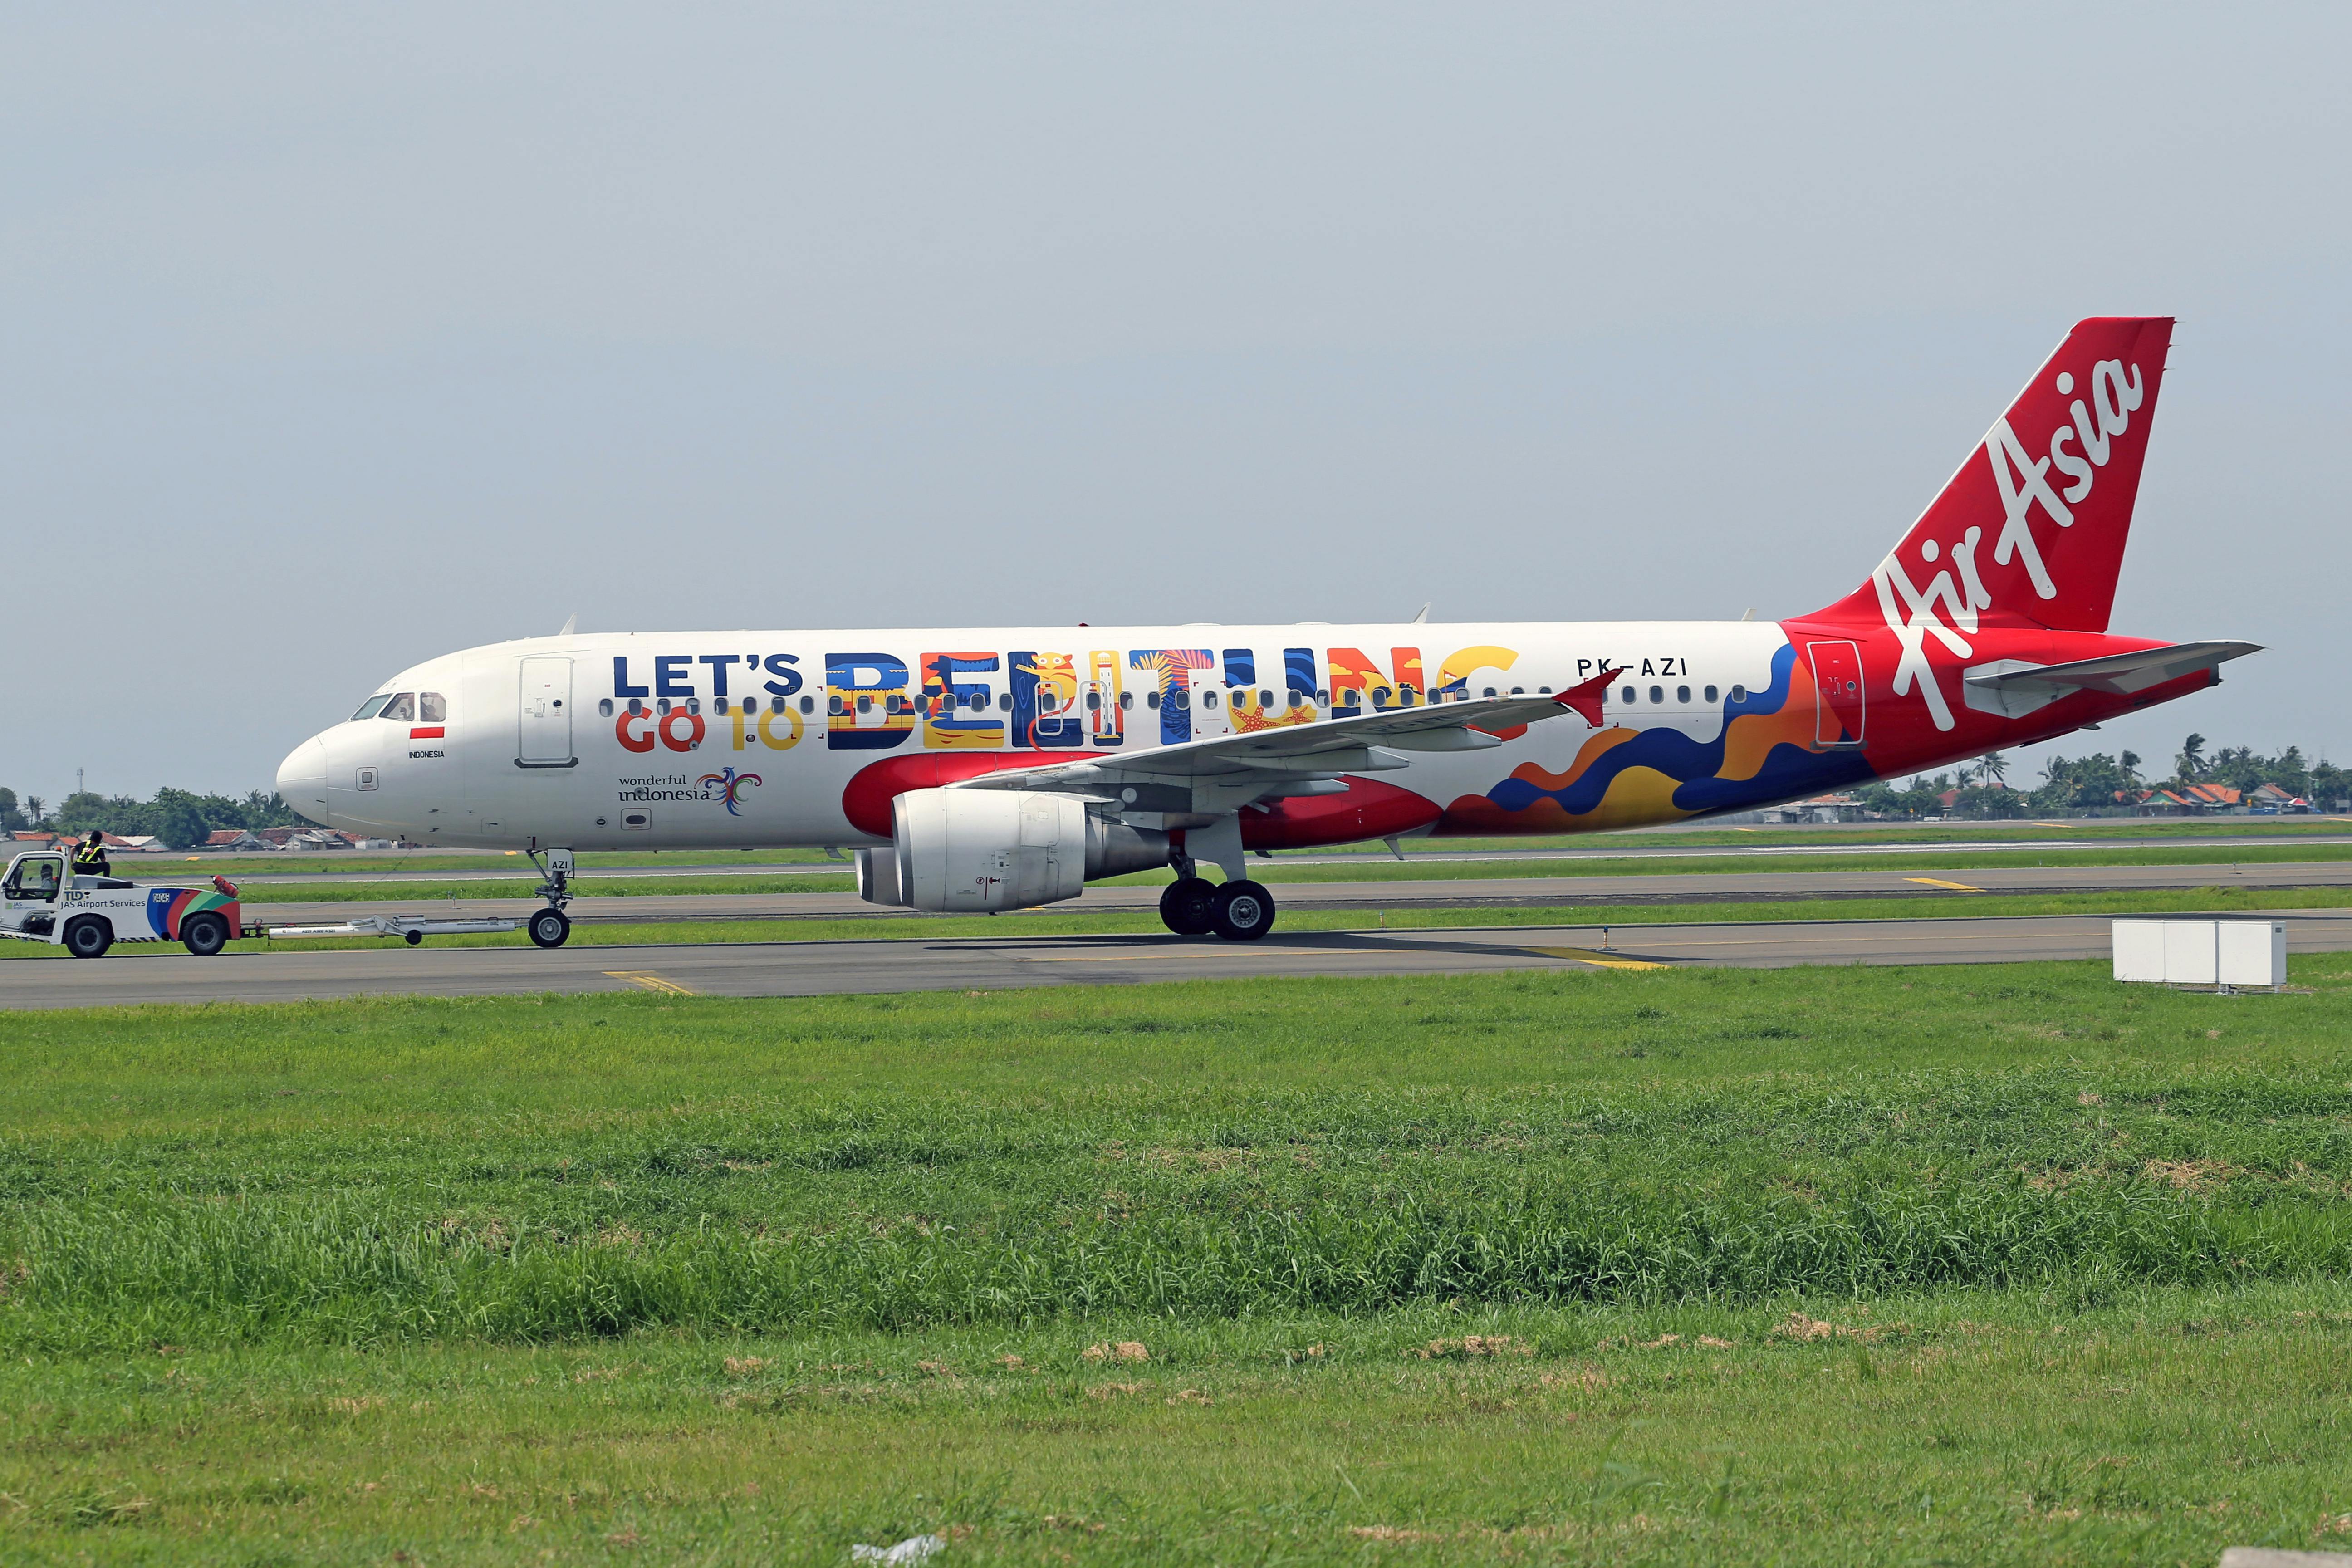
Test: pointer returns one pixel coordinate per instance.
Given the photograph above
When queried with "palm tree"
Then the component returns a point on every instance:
(37, 808)
(1994, 766)
(2130, 762)
(2192, 761)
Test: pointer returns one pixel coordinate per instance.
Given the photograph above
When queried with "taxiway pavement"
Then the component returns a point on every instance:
(821, 968)
(1437, 894)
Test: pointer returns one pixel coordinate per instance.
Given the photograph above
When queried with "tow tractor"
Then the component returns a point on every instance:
(41, 901)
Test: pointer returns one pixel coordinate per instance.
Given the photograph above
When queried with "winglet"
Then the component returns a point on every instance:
(1586, 696)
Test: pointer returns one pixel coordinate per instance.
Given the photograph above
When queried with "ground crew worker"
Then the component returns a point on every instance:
(89, 861)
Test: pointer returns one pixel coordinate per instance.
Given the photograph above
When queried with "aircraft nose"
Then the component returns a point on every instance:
(302, 780)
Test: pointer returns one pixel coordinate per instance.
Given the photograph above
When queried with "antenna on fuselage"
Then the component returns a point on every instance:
(571, 625)
(1422, 617)
(1748, 614)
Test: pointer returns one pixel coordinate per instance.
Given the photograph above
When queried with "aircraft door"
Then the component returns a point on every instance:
(545, 739)
(1837, 678)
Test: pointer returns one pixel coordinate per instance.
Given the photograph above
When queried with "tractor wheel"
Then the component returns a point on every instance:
(204, 934)
(88, 936)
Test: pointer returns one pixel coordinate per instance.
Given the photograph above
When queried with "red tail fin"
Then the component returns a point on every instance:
(2032, 529)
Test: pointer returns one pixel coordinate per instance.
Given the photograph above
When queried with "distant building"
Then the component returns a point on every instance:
(236, 839)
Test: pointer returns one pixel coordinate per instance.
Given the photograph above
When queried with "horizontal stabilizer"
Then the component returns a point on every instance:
(2013, 688)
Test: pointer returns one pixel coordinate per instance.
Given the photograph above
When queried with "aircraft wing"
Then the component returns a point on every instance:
(2013, 688)
(1365, 742)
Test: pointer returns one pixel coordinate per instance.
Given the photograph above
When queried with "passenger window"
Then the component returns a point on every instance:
(1208, 700)
(1184, 698)
(1093, 701)
(1543, 691)
(1266, 699)
(432, 708)
(661, 706)
(866, 704)
(1740, 694)
(1657, 695)
(1710, 694)
(370, 708)
(1126, 701)
(401, 710)
(605, 709)
(808, 704)
(1151, 700)
(1322, 698)
(1628, 698)
(636, 706)
(1682, 695)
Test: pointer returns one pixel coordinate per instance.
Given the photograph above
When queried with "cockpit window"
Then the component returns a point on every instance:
(401, 710)
(432, 708)
(372, 707)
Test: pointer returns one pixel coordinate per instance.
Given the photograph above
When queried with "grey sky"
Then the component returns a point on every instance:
(344, 338)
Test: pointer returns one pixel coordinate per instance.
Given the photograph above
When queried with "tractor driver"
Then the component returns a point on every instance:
(89, 858)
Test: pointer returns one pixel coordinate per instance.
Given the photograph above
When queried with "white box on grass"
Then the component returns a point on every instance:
(2252, 953)
(2190, 953)
(2139, 951)
(2200, 952)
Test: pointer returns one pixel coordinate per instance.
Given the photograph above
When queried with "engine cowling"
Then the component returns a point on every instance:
(979, 851)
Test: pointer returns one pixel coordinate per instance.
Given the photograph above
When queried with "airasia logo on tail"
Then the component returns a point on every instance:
(1947, 607)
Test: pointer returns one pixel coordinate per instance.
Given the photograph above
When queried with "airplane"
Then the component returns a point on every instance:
(980, 770)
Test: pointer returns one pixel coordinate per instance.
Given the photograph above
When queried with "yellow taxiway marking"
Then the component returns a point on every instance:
(1600, 960)
(1190, 953)
(1939, 882)
(648, 981)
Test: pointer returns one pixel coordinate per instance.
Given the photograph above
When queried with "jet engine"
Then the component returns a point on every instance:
(981, 850)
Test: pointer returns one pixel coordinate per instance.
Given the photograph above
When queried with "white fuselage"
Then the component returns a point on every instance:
(749, 739)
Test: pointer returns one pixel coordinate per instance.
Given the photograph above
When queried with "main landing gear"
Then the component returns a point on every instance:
(1237, 912)
(549, 927)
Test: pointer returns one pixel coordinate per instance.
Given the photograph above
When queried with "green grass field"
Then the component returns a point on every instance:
(1839, 1265)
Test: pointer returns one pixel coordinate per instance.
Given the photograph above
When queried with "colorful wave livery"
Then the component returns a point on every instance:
(1622, 777)
(167, 908)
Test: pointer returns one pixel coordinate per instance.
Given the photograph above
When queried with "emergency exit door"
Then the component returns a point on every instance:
(1837, 677)
(546, 730)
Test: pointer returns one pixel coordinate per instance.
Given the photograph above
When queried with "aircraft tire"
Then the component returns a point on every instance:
(203, 935)
(88, 936)
(1243, 910)
(1185, 906)
(550, 927)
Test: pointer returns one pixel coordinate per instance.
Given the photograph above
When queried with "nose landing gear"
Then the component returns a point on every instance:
(550, 927)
